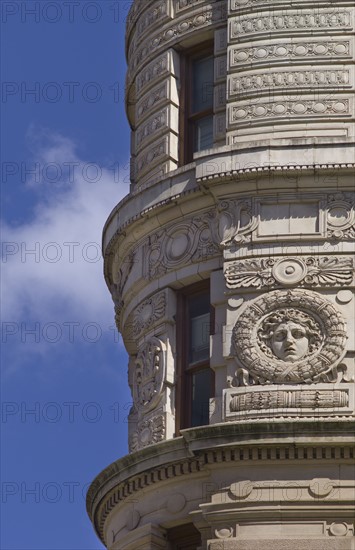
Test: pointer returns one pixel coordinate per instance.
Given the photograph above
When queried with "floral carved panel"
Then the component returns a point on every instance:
(151, 429)
(148, 313)
(311, 271)
(189, 241)
(149, 375)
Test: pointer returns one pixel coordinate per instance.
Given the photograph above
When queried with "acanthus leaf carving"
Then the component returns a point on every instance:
(117, 288)
(148, 313)
(149, 375)
(236, 221)
(151, 429)
(302, 271)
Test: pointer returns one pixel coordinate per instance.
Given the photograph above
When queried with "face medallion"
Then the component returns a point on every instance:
(289, 342)
(289, 336)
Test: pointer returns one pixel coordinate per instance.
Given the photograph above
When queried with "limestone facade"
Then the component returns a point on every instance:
(267, 216)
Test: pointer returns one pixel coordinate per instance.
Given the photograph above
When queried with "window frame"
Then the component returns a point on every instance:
(184, 371)
(187, 117)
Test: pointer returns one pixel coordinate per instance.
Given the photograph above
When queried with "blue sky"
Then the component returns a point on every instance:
(64, 160)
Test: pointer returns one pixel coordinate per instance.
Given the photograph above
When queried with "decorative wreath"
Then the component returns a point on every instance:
(326, 332)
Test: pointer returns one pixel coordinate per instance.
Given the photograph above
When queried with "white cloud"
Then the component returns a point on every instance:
(61, 281)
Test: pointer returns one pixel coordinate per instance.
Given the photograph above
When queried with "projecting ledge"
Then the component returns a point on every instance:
(299, 155)
(277, 432)
(245, 441)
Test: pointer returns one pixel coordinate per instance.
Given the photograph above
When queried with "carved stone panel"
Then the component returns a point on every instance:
(290, 21)
(287, 336)
(149, 375)
(236, 221)
(150, 429)
(261, 82)
(148, 313)
(341, 216)
(280, 51)
(155, 71)
(323, 400)
(302, 108)
(192, 240)
(327, 216)
(311, 271)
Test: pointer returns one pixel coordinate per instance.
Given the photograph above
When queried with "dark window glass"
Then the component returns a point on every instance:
(203, 133)
(200, 398)
(199, 321)
(202, 103)
(196, 102)
(196, 379)
(202, 84)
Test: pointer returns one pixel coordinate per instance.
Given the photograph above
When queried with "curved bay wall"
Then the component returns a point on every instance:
(268, 215)
(282, 71)
(290, 70)
(157, 32)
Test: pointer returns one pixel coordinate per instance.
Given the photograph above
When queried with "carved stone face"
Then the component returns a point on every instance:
(289, 341)
(289, 336)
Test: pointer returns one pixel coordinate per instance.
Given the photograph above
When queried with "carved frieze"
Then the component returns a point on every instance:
(118, 287)
(182, 26)
(158, 122)
(341, 216)
(236, 221)
(300, 79)
(339, 107)
(151, 16)
(270, 53)
(193, 240)
(236, 5)
(291, 21)
(291, 399)
(157, 156)
(152, 100)
(182, 5)
(148, 313)
(149, 156)
(311, 271)
(295, 336)
(151, 429)
(155, 70)
(149, 375)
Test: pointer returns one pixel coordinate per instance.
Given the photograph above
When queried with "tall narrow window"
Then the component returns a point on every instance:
(197, 103)
(196, 379)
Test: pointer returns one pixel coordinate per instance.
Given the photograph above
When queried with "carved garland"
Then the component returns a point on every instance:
(326, 333)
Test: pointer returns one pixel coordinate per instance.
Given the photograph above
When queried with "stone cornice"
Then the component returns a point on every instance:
(220, 176)
(286, 169)
(263, 442)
